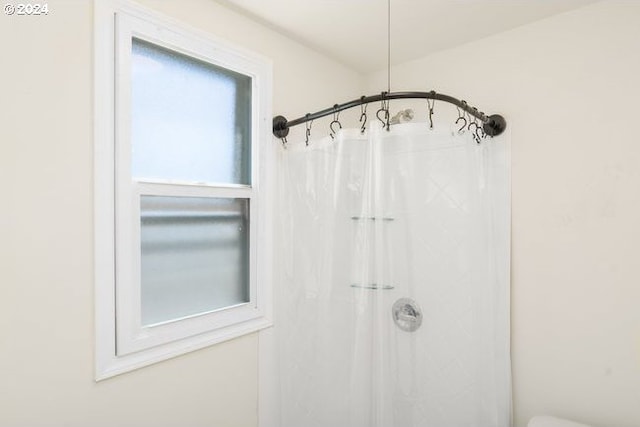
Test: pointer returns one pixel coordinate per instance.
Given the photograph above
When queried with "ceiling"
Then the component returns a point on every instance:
(354, 32)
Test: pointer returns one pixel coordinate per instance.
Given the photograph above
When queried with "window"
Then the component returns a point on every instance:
(180, 195)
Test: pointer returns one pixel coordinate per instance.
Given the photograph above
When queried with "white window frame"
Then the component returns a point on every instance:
(126, 344)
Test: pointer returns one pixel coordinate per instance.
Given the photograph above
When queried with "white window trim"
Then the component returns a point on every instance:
(112, 358)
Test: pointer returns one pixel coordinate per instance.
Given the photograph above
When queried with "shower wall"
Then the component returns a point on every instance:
(568, 86)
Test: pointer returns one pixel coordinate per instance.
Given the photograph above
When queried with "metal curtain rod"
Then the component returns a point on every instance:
(493, 125)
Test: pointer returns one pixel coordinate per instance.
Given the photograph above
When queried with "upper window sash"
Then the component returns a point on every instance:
(129, 28)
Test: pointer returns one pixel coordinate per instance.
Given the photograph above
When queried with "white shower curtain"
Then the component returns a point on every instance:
(370, 219)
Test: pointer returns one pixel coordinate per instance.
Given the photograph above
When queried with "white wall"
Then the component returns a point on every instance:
(46, 242)
(569, 88)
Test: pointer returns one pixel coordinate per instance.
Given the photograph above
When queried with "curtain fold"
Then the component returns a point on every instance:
(414, 214)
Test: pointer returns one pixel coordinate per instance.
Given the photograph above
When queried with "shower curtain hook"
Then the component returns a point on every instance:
(308, 125)
(466, 116)
(431, 102)
(383, 108)
(470, 119)
(386, 113)
(474, 123)
(480, 129)
(363, 115)
(336, 120)
(461, 117)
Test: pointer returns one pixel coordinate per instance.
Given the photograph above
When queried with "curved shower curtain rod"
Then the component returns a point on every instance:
(493, 125)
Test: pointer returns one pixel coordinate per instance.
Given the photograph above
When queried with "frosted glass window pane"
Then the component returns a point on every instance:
(195, 255)
(191, 121)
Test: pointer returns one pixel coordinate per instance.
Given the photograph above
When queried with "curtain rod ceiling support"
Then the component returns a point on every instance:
(493, 125)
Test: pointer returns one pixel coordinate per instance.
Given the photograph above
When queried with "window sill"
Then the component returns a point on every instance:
(117, 365)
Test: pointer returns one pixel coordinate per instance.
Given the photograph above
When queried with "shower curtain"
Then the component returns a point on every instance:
(415, 217)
